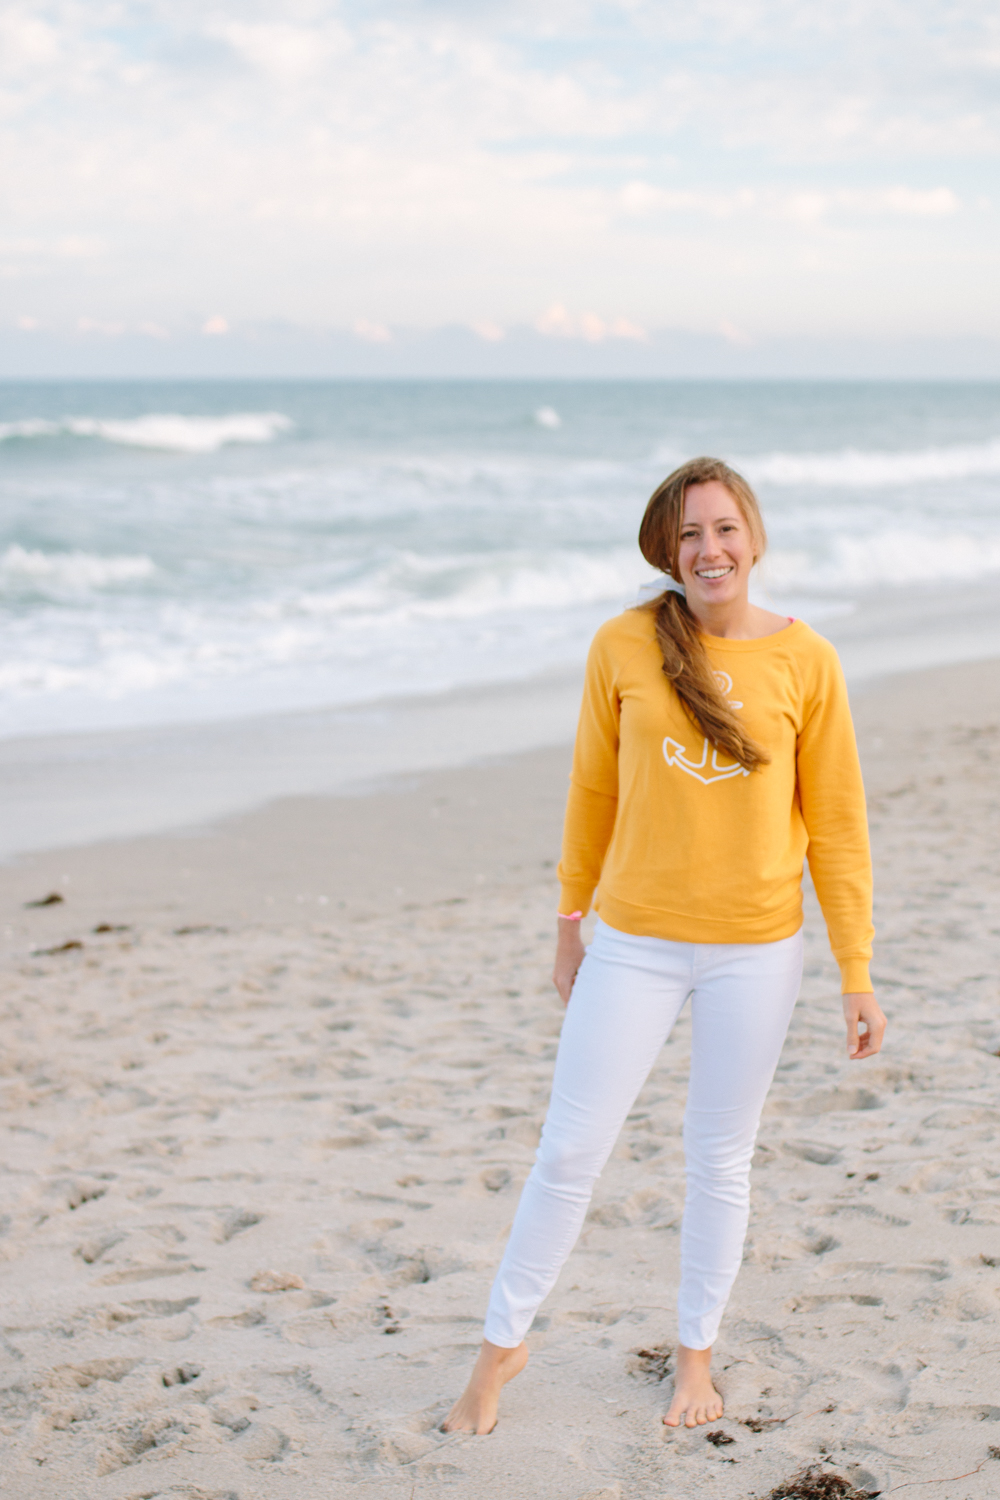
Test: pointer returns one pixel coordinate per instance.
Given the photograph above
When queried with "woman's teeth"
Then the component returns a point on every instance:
(713, 572)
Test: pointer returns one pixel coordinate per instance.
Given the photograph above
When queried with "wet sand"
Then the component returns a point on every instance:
(264, 1136)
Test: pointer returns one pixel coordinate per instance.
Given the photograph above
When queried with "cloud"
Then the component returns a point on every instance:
(557, 322)
(289, 55)
(372, 333)
(933, 202)
(419, 162)
(805, 205)
(734, 335)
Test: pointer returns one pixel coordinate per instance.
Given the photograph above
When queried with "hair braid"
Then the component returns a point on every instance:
(685, 661)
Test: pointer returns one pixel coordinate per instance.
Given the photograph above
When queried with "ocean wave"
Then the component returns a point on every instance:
(856, 468)
(67, 573)
(547, 416)
(167, 431)
(414, 623)
(413, 588)
(893, 557)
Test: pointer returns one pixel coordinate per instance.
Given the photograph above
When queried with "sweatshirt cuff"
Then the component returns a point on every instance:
(574, 898)
(854, 976)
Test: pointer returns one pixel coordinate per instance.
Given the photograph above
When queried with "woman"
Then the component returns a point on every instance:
(715, 751)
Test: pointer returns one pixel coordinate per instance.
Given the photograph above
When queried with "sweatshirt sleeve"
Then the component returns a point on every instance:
(832, 797)
(593, 790)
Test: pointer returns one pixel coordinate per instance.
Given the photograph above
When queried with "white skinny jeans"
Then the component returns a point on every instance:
(627, 995)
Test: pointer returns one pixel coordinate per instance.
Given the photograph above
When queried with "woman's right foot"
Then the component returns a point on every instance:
(695, 1400)
(476, 1409)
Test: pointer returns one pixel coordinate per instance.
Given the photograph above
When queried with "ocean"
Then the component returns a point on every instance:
(184, 552)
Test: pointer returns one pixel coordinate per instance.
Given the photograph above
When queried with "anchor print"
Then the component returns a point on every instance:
(675, 754)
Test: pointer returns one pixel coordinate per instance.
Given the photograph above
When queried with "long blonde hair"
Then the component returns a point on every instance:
(685, 660)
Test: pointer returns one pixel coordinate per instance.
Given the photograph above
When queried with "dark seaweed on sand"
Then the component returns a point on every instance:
(719, 1439)
(819, 1484)
(654, 1362)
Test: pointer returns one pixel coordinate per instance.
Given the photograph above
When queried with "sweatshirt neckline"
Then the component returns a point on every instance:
(759, 643)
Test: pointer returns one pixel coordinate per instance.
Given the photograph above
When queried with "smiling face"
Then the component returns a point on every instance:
(717, 547)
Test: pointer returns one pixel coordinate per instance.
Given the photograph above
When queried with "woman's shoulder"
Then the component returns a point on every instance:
(816, 661)
(618, 642)
(624, 634)
(808, 644)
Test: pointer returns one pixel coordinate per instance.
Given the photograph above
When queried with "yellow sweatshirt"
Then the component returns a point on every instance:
(687, 845)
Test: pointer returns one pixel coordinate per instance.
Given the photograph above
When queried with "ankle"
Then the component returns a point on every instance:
(693, 1359)
(497, 1357)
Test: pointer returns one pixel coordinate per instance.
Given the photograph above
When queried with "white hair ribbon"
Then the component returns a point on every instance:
(662, 585)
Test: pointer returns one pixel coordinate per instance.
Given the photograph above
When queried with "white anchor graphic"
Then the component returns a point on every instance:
(675, 754)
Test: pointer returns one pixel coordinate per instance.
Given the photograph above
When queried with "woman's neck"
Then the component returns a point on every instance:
(738, 620)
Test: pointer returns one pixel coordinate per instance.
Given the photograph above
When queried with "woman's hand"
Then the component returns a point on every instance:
(864, 1010)
(569, 957)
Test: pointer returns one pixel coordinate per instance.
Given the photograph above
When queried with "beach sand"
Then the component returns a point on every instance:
(265, 1131)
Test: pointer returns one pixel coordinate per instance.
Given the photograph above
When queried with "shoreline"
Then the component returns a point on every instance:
(61, 791)
(398, 842)
(67, 790)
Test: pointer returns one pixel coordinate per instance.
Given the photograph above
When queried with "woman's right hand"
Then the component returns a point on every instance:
(569, 957)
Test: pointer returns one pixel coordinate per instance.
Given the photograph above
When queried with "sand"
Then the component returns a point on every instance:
(265, 1133)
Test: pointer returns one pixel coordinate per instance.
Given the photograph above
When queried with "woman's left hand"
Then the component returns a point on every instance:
(863, 1009)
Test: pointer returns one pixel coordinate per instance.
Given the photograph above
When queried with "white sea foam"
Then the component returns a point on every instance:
(547, 416)
(885, 557)
(167, 431)
(63, 573)
(855, 468)
(562, 581)
(31, 427)
(414, 588)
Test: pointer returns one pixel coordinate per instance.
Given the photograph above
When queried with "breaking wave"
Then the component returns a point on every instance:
(167, 431)
(58, 574)
(854, 468)
(863, 562)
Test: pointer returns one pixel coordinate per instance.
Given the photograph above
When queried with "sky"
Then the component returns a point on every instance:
(602, 187)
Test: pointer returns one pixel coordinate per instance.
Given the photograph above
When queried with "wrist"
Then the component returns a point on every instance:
(567, 933)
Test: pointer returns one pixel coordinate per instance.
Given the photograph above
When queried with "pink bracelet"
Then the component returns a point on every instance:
(573, 916)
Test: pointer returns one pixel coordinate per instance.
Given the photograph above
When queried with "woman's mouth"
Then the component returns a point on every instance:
(711, 573)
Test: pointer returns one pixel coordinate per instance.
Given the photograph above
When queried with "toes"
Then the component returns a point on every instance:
(456, 1421)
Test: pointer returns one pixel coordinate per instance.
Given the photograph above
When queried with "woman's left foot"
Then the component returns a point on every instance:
(476, 1409)
(695, 1400)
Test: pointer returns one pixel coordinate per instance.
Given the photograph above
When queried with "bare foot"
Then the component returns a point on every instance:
(695, 1399)
(476, 1409)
